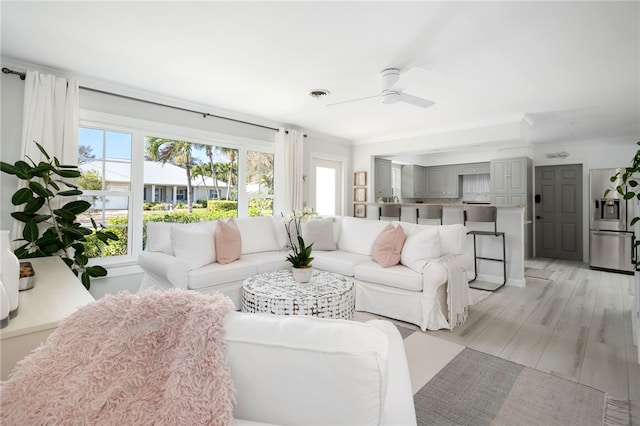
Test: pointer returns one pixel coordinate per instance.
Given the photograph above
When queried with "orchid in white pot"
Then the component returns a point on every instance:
(300, 258)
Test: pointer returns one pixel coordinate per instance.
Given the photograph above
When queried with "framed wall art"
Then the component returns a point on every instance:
(360, 195)
(360, 178)
(360, 210)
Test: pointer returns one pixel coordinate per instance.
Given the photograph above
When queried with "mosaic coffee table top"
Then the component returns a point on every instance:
(326, 295)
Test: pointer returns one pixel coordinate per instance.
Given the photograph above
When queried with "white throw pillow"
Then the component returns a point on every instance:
(320, 233)
(419, 248)
(358, 235)
(453, 238)
(196, 247)
(281, 232)
(159, 237)
(258, 234)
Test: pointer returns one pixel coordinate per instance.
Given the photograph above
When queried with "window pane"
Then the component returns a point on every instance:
(260, 207)
(112, 213)
(259, 173)
(325, 190)
(118, 146)
(188, 182)
(104, 159)
(90, 144)
(259, 184)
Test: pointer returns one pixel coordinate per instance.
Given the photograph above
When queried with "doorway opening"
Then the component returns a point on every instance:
(327, 176)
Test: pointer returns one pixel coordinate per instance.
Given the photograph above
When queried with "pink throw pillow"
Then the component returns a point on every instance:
(387, 248)
(228, 241)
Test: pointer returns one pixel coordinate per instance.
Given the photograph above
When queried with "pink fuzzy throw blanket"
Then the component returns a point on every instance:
(128, 359)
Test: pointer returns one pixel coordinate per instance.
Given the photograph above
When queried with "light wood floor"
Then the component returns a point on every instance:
(577, 326)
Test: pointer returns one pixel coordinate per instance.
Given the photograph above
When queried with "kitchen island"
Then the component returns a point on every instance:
(511, 220)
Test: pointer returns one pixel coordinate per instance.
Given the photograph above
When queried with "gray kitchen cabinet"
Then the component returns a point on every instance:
(510, 175)
(474, 168)
(413, 180)
(451, 181)
(511, 181)
(442, 182)
(382, 179)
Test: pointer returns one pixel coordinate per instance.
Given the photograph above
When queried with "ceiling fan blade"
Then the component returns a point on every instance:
(408, 78)
(353, 100)
(414, 100)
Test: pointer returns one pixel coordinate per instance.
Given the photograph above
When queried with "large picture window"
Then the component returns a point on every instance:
(132, 176)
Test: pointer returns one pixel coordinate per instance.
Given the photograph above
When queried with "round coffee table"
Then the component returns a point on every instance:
(326, 295)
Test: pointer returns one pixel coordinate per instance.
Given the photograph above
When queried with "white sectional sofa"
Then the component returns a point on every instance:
(183, 256)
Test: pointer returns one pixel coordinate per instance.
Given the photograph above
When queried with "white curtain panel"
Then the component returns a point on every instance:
(293, 171)
(50, 117)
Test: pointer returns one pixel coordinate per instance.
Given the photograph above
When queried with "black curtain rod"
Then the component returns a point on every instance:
(23, 75)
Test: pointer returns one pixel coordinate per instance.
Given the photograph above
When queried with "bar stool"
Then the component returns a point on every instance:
(485, 215)
(429, 212)
(390, 211)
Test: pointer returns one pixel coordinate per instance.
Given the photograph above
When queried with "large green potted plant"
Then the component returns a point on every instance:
(626, 183)
(50, 226)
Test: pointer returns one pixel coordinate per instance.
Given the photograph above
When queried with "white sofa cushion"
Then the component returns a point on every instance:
(268, 261)
(397, 276)
(319, 232)
(339, 262)
(421, 246)
(216, 273)
(194, 246)
(453, 239)
(357, 235)
(318, 363)
(258, 234)
(159, 237)
(159, 234)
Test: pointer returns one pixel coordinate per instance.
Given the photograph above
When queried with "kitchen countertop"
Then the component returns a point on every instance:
(446, 205)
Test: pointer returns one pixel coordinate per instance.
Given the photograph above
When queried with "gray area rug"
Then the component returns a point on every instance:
(480, 389)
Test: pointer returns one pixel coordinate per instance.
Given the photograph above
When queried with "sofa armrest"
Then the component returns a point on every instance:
(165, 269)
(398, 405)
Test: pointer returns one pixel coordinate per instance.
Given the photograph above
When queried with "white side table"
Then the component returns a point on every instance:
(56, 294)
(326, 295)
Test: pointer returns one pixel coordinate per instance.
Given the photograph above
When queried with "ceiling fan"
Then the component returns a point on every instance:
(392, 92)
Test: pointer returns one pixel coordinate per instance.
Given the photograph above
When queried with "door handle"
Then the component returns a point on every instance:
(539, 217)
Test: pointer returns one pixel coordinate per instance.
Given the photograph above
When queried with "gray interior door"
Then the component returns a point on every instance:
(558, 212)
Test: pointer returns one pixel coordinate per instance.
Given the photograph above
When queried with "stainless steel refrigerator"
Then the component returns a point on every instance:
(611, 238)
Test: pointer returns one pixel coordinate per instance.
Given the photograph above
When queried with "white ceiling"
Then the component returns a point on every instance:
(567, 70)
